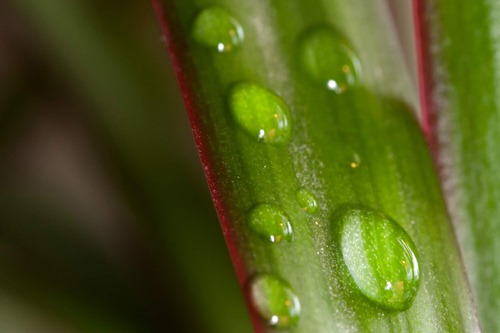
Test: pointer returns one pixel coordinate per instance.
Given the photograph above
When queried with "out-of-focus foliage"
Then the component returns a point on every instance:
(461, 93)
(106, 224)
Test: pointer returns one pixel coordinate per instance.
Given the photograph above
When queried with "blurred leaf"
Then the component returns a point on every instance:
(116, 73)
(459, 52)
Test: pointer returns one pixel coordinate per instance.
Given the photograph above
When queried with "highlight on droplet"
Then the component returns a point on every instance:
(216, 28)
(328, 59)
(270, 222)
(260, 113)
(275, 301)
(380, 257)
(355, 161)
(307, 200)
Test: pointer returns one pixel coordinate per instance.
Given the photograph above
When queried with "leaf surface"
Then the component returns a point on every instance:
(353, 144)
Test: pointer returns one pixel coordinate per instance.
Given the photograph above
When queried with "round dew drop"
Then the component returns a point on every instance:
(270, 222)
(355, 162)
(260, 113)
(274, 301)
(216, 28)
(381, 258)
(329, 60)
(307, 201)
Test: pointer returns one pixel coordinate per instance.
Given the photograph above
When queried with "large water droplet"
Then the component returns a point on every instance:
(329, 60)
(270, 222)
(380, 256)
(216, 28)
(275, 301)
(307, 201)
(261, 113)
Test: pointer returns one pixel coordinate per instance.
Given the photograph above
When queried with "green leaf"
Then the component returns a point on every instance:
(350, 138)
(460, 49)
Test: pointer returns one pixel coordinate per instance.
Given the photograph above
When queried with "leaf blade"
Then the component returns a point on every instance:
(328, 130)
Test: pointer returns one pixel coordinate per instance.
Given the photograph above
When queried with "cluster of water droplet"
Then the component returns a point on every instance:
(378, 253)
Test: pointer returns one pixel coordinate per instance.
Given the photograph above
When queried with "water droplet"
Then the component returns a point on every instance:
(270, 222)
(275, 301)
(380, 257)
(216, 28)
(307, 201)
(329, 60)
(356, 161)
(261, 113)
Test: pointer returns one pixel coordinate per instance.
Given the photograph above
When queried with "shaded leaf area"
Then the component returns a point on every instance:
(356, 143)
(460, 49)
(106, 225)
(56, 269)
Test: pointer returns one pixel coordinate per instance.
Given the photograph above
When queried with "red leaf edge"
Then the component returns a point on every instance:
(174, 48)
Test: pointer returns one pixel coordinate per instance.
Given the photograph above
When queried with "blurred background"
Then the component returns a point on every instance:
(106, 223)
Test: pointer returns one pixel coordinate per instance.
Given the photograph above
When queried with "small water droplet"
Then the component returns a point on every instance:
(261, 113)
(216, 28)
(380, 256)
(355, 161)
(329, 60)
(270, 222)
(275, 301)
(307, 201)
